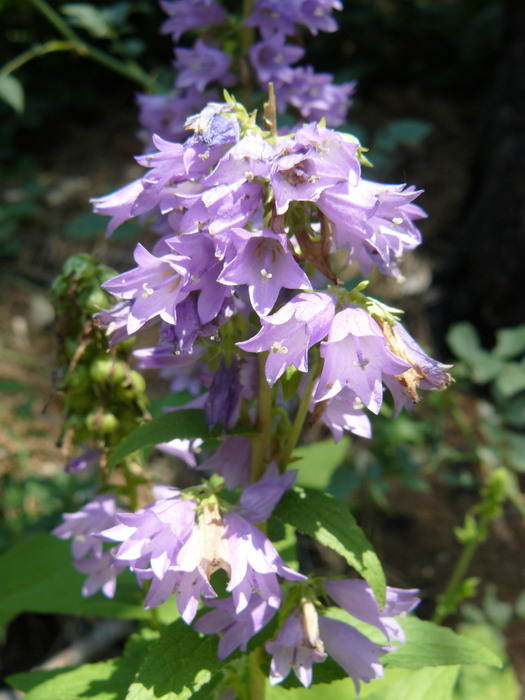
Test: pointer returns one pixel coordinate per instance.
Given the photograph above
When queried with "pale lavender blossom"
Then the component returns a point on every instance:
(184, 15)
(344, 411)
(154, 286)
(297, 646)
(235, 628)
(201, 65)
(289, 333)
(357, 598)
(232, 461)
(85, 525)
(101, 572)
(315, 14)
(315, 95)
(354, 652)
(259, 499)
(356, 355)
(223, 400)
(271, 59)
(274, 17)
(265, 263)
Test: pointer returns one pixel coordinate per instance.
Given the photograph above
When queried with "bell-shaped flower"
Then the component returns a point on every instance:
(235, 628)
(153, 286)
(356, 355)
(297, 646)
(266, 264)
(289, 333)
(357, 598)
(424, 372)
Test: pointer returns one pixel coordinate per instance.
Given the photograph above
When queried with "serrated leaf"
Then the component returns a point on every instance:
(12, 92)
(510, 342)
(318, 461)
(330, 522)
(176, 666)
(38, 576)
(186, 423)
(431, 645)
(425, 684)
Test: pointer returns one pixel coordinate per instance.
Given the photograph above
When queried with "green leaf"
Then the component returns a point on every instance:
(176, 666)
(463, 340)
(38, 576)
(477, 681)
(515, 450)
(510, 342)
(511, 379)
(319, 461)
(330, 522)
(108, 680)
(425, 684)
(186, 423)
(12, 92)
(290, 382)
(85, 226)
(89, 18)
(430, 645)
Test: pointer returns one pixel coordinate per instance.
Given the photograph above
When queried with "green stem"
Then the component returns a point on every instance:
(261, 443)
(446, 606)
(257, 677)
(299, 420)
(131, 71)
(34, 52)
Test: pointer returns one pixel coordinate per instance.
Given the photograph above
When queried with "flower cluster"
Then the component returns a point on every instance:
(270, 59)
(242, 217)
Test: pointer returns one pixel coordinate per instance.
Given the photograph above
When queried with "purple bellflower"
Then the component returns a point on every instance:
(289, 333)
(356, 355)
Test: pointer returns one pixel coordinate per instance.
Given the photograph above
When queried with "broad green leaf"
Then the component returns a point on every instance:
(511, 379)
(510, 342)
(477, 681)
(108, 680)
(430, 645)
(330, 522)
(515, 450)
(38, 576)
(318, 461)
(484, 366)
(463, 340)
(186, 423)
(435, 683)
(12, 92)
(177, 665)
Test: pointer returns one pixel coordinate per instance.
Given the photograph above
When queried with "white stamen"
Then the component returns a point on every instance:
(195, 278)
(266, 275)
(122, 281)
(397, 220)
(148, 291)
(313, 178)
(278, 348)
(249, 175)
(358, 404)
(204, 156)
(363, 363)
